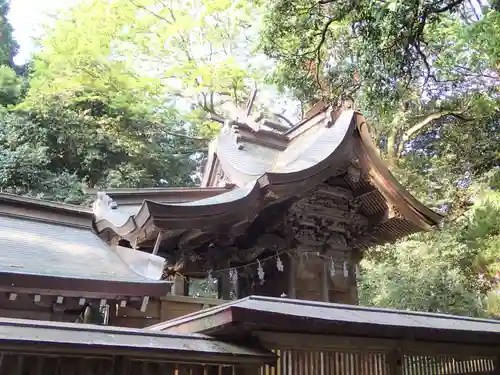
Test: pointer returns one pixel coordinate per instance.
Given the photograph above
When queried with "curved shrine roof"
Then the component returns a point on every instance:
(51, 246)
(265, 168)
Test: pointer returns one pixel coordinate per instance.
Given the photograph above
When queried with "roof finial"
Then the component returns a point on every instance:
(102, 204)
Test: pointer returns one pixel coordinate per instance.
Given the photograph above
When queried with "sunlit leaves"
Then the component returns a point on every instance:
(453, 270)
(149, 52)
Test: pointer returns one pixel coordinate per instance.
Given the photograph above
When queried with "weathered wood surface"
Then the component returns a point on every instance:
(327, 355)
(167, 308)
(340, 197)
(39, 348)
(29, 364)
(158, 310)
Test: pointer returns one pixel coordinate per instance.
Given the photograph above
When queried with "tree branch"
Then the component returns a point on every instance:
(284, 119)
(180, 135)
(419, 126)
(391, 145)
(150, 12)
(448, 7)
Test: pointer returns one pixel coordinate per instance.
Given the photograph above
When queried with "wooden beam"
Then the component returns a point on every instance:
(292, 275)
(178, 286)
(251, 101)
(159, 238)
(283, 340)
(54, 292)
(144, 304)
(324, 283)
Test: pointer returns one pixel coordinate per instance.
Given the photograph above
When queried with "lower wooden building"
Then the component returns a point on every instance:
(259, 336)
(49, 348)
(314, 338)
(54, 267)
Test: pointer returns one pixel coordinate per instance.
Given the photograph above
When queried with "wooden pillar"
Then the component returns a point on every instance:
(292, 275)
(394, 361)
(310, 277)
(113, 310)
(178, 286)
(496, 364)
(225, 286)
(353, 286)
(324, 283)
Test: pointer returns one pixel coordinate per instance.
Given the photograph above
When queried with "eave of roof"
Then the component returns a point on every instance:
(303, 165)
(163, 195)
(122, 341)
(388, 185)
(295, 174)
(207, 212)
(46, 257)
(256, 313)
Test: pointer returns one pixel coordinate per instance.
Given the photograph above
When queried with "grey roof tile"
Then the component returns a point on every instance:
(39, 248)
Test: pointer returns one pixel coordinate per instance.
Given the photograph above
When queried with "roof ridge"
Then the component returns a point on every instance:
(7, 197)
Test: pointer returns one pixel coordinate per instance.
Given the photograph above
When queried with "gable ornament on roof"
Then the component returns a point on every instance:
(102, 205)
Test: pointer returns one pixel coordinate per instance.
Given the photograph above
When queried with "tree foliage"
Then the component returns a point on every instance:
(8, 46)
(151, 55)
(123, 93)
(454, 270)
(411, 66)
(425, 74)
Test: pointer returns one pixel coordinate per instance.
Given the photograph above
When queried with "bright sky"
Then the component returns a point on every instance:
(26, 16)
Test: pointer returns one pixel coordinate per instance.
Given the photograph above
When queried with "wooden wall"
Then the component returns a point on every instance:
(159, 310)
(166, 308)
(301, 354)
(19, 363)
(303, 277)
(25, 307)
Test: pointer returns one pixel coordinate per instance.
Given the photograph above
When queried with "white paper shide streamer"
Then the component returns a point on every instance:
(346, 270)
(260, 272)
(279, 263)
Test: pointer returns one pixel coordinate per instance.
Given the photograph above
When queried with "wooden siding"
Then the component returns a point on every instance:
(15, 363)
(167, 308)
(291, 362)
(328, 362)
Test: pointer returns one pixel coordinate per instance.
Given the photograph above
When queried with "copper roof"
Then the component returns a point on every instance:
(50, 246)
(127, 341)
(256, 313)
(267, 168)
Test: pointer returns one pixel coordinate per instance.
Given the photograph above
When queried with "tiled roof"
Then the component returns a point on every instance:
(56, 251)
(287, 315)
(143, 342)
